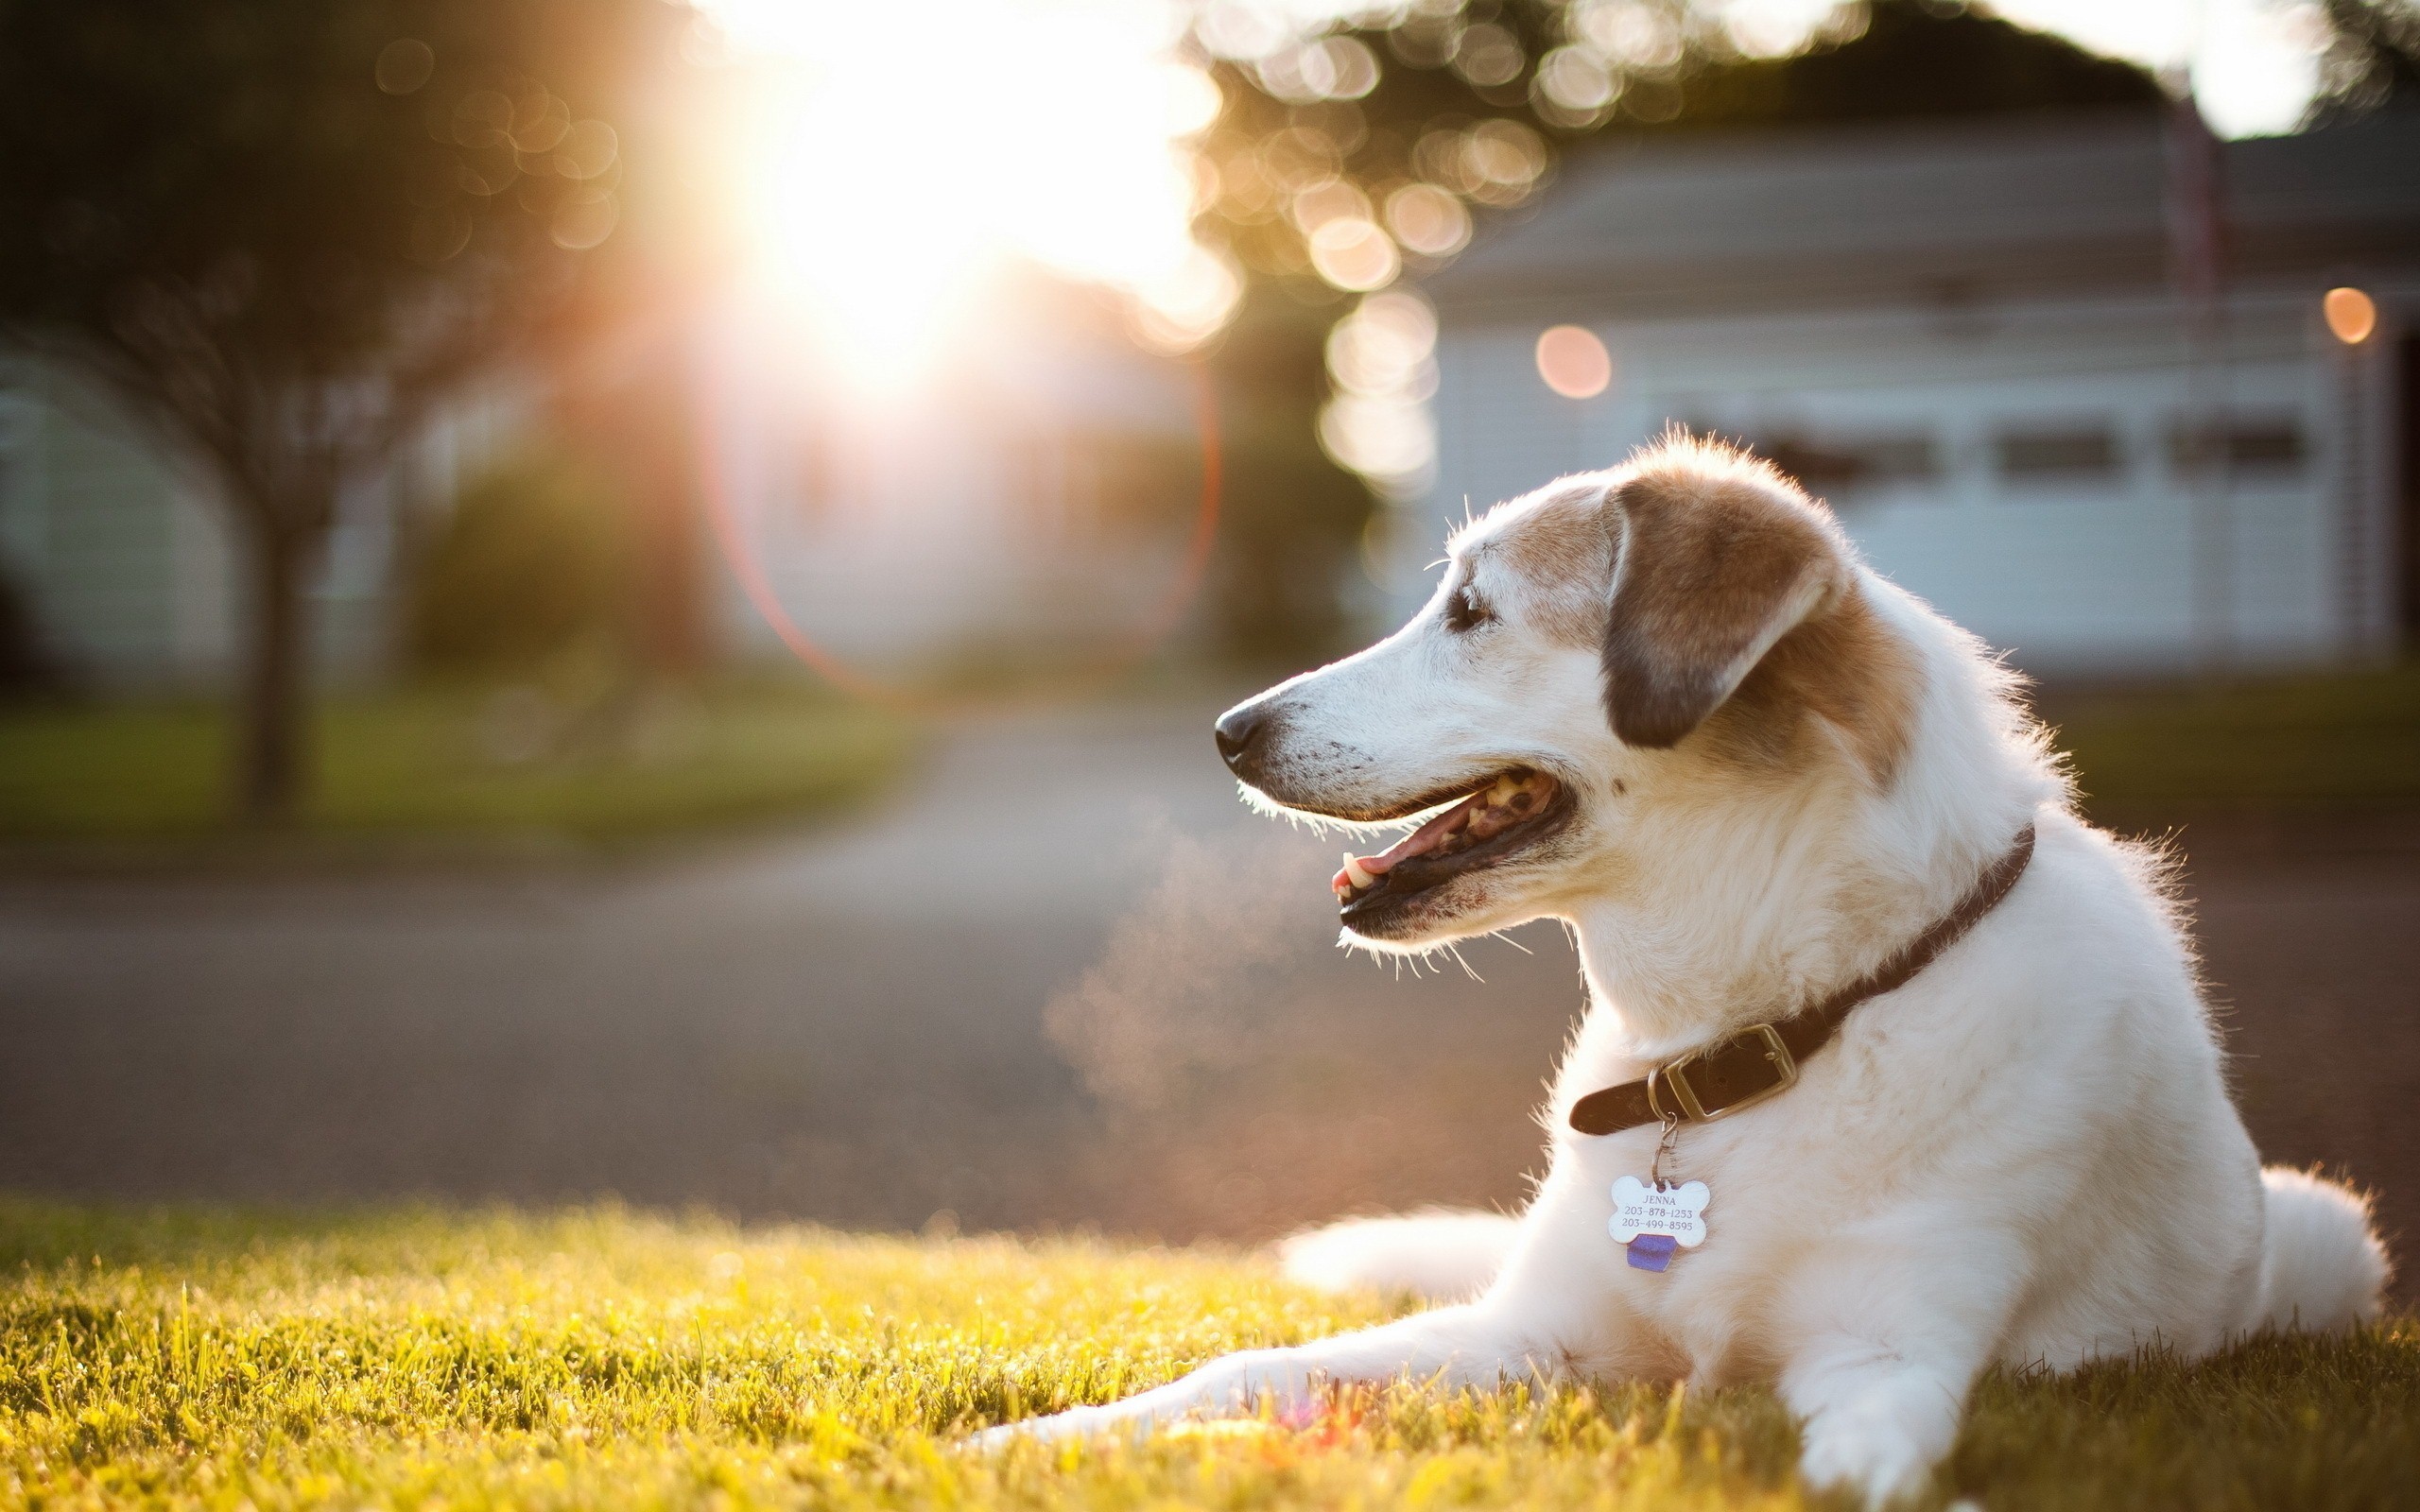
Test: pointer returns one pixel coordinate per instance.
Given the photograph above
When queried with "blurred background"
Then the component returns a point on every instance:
(626, 596)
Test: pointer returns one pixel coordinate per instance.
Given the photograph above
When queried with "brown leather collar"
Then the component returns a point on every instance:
(1763, 1059)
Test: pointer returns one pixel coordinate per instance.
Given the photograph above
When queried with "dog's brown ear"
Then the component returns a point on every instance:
(1720, 557)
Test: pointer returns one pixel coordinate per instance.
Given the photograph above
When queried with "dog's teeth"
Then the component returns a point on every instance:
(1356, 873)
(1503, 790)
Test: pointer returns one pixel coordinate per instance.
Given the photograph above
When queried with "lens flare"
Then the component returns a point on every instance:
(715, 407)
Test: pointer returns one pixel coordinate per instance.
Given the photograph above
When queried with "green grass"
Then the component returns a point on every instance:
(606, 1359)
(453, 763)
(2346, 741)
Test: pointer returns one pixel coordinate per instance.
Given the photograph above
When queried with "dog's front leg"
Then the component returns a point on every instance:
(1474, 1344)
(1884, 1342)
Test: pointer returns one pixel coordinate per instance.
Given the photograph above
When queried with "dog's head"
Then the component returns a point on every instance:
(1686, 628)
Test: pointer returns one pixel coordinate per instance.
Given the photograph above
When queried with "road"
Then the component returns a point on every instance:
(1064, 979)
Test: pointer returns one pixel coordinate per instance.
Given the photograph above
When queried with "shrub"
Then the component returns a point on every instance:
(536, 562)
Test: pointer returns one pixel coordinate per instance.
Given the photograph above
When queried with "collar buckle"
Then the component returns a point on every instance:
(1738, 1071)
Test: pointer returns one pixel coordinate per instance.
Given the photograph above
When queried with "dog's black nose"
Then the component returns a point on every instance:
(1240, 731)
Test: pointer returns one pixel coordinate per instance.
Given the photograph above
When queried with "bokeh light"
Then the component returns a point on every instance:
(1574, 362)
(1487, 53)
(1428, 220)
(1352, 253)
(1628, 35)
(404, 65)
(1577, 84)
(1329, 68)
(1497, 161)
(1326, 201)
(2351, 315)
(1776, 29)
(1382, 359)
(583, 218)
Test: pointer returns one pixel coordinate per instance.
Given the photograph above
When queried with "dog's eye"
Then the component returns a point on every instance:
(1466, 609)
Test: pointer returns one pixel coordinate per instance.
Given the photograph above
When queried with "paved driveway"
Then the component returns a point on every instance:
(1065, 979)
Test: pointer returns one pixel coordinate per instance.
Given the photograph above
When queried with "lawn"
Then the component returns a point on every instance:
(2312, 743)
(471, 765)
(601, 1358)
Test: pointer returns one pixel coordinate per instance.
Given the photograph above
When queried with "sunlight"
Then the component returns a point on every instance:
(899, 159)
(2253, 64)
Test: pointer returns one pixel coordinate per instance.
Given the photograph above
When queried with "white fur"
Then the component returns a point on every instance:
(2322, 1266)
(2024, 1156)
(1442, 1255)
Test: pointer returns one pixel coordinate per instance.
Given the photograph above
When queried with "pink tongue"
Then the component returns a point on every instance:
(1423, 840)
(1419, 842)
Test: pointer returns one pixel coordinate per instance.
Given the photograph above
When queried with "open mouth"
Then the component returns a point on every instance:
(1511, 812)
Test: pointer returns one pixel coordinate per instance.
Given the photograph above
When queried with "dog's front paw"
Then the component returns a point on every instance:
(1865, 1453)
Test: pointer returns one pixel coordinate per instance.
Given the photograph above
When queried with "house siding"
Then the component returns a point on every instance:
(102, 568)
(2147, 564)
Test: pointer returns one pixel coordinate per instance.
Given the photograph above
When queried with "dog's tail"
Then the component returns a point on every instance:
(1442, 1255)
(2322, 1267)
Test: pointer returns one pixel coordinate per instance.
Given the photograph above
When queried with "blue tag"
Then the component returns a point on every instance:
(1652, 1251)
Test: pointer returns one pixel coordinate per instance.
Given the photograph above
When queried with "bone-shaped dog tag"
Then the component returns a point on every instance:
(1653, 1220)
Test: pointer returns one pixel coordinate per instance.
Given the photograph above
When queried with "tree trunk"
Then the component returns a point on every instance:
(272, 746)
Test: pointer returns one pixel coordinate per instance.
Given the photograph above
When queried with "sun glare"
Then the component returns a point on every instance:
(898, 158)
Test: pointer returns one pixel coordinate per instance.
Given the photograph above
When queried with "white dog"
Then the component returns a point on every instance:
(1798, 822)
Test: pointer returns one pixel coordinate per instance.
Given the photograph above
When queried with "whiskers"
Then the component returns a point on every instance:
(1418, 959)
(1319, 825)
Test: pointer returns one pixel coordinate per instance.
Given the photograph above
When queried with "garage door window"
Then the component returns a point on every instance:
(2083, 454)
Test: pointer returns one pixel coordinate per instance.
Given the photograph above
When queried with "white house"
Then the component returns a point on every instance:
(1969, 338)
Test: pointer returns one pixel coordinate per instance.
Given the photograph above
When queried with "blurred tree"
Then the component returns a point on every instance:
(25, 668)
(637, 421)
(2373, 56)
(1433, 111)
(1290, 517)
(282, 232)
(535, 560)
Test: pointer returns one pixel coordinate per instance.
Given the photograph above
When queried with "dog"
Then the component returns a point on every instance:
(1780, 803)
